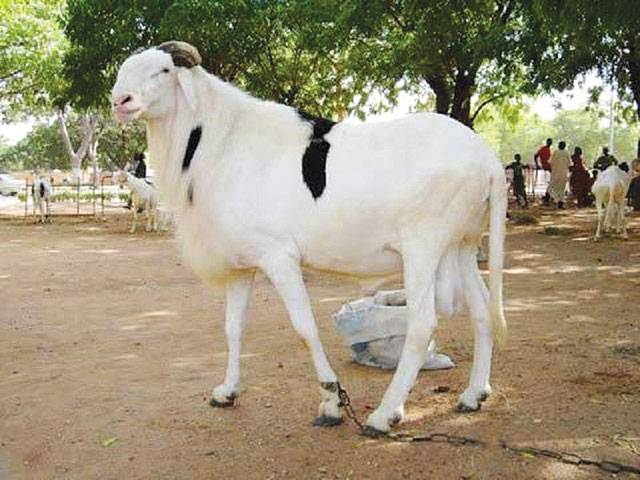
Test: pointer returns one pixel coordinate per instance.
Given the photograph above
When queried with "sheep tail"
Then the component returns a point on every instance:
(497, 215)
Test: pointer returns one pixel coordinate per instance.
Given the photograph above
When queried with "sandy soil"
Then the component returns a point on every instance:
(109, 348)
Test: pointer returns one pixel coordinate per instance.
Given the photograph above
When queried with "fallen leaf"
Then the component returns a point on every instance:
(107, 442)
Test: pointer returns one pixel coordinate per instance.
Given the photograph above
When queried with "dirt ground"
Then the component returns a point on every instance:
(109, 349)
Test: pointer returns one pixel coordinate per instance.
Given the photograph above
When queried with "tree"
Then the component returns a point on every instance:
(32, 45)
(44, 147)
(609, 43)
(281, 51)
(523, 132)
(469, 53)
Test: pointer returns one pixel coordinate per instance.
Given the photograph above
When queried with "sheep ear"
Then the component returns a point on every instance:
(185, 80)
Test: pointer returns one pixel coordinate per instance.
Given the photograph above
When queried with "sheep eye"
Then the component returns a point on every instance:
(164, 70)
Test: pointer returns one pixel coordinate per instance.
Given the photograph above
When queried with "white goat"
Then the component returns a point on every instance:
(143, 196)
(41, 193)
(258, 185)
(610, 190)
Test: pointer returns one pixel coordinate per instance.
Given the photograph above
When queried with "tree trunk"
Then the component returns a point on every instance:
(458, 107)
(88, 127)
(443, 96)
(633, 62)
(93, 159)
(463, 91)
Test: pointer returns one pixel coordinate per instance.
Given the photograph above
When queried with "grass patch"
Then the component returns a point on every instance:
(524, 218)
(558, 232)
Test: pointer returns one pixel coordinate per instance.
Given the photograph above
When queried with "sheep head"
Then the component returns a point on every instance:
(149, 81)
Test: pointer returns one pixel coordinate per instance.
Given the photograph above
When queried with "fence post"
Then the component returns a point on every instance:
(26, 200)
(78, 197)
(93, 195)
(102, 197)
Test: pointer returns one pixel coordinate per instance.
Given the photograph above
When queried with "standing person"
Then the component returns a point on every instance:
(544, 154)
(519, 189)
(605, 160)
(560, 163)
(139, 170)
(634, 187)
(139, 166)
(580, 180)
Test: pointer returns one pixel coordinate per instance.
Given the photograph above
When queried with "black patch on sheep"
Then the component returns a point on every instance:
(314, 160)
(192, 145)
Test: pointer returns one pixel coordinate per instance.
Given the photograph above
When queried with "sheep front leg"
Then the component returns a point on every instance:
(41, 206)
(134, 208)
(148, 214)
(286, 276)
(155, 218)
(238, 291)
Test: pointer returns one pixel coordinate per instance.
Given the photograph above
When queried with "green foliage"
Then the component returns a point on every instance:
(32, 45)
(590, 35)
(277, 50)
(467, 52)
(43, 146)
(102, 34)
(584, 128)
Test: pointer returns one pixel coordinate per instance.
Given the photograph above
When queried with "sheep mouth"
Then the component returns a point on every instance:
(126, 116)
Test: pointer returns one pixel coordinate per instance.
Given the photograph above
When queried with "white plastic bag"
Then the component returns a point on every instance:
(375, 328)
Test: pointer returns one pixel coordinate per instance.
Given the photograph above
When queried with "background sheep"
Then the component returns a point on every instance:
(610, 191)
(41, 193)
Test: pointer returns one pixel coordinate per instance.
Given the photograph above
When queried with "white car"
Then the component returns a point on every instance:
(10, 185)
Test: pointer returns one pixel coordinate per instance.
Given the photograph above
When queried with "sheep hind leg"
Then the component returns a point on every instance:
(238, 291)
(623, 222)
(600, 214)
(477, 300)
(286, 277)
(420, 264)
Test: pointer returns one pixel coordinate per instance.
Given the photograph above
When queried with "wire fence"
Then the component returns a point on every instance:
(78, 199)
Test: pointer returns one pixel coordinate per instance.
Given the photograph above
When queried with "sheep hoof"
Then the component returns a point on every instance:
(327, 421)
(229, 402)
(462, 407)
(372, 432)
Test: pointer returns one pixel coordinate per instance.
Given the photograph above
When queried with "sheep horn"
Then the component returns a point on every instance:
(182, 53)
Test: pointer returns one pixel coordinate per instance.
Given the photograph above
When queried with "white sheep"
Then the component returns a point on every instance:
(41, 193)
(610, 191)
(145, 198)
(258, 185)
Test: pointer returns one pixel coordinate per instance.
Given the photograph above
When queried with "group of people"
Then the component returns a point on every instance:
(557, 166)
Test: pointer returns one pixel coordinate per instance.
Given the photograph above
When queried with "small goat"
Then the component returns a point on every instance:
(41, 193)
(258, 185)
(143, 197)
(610, 191)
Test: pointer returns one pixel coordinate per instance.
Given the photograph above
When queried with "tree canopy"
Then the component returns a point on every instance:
(277, 50)
(44, 147)
(469, 53)
(32, 45)
(330, 57)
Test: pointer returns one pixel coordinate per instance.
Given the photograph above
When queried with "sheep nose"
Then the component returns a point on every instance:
(122, 100)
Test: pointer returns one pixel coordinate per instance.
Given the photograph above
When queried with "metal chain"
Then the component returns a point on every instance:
(458, 441)
(345, 401)
(436, 437)
(572, 459)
